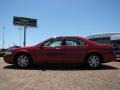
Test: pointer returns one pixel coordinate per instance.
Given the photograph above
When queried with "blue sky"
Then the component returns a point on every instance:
(58, 18)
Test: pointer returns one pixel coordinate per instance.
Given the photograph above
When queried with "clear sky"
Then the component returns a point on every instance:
(58, 18)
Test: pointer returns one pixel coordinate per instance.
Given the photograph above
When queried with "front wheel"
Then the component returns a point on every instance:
(23, 61)
(93, 61)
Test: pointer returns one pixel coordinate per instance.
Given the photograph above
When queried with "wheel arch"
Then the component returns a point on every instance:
(22, 52)
(96, 53)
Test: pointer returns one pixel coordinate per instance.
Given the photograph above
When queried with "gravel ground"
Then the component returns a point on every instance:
(60, 77)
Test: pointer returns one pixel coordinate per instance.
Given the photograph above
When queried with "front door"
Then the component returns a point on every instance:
(51, 50)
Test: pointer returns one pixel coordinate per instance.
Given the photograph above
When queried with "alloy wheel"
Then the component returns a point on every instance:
(94, 61)
(23, 61)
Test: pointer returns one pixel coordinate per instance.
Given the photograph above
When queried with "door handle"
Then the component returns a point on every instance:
(58, 48)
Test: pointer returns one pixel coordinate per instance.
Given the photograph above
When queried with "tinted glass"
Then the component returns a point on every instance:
(72, 42)
(81, 43)
(53, 42)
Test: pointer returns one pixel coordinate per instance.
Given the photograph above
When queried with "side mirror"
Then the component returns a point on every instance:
(41, 45)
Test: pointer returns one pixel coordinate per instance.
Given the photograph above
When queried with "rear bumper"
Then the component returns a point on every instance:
(109, 57)
(8, 58)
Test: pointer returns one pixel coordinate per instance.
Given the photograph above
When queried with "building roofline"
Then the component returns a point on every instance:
(115, 37)
(102, 35)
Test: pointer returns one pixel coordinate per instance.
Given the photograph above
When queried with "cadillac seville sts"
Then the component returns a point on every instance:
(64, 49)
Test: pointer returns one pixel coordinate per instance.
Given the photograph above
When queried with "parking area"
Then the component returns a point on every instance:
(60, 77)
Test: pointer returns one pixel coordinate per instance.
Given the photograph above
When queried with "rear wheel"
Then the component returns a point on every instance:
(23, 61)
(93, 61)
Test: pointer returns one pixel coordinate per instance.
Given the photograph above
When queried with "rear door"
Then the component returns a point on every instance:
(74, 50)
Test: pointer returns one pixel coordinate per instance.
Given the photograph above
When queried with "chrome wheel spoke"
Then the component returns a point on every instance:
(23, 61)
(93, 61)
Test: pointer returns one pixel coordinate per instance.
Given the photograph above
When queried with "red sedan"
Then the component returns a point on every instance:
(67, 49)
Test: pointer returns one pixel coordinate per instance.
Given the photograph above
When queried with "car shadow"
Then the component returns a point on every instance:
(62, 67)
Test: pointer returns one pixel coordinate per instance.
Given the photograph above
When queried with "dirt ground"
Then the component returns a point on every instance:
(60, 77)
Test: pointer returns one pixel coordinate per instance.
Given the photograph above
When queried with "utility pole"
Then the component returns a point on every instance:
(20, 35)
(24, 43)
(3, 38)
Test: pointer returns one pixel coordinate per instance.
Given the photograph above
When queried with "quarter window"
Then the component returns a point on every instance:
(82, 43)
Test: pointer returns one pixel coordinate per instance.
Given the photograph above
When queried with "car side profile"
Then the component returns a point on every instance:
(64, 49)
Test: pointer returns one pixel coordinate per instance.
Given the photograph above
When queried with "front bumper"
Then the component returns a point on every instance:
(9, 58)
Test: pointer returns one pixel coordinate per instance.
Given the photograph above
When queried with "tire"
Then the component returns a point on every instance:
(23, 61)
(93, 61)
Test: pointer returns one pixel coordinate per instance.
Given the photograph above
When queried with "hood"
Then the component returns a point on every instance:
(23, 48)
